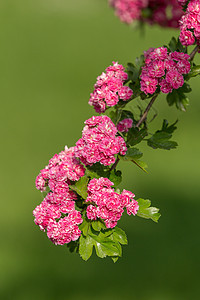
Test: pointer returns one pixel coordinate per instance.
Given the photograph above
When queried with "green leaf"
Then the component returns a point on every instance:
(173, 44)
(115, 115)
(73, 246)
(135, 135)
(139, 61)
(195, 71)
(161, 140)
(81, 187)
(147, 211)
(132, 153)
(115, 177)
(178, 98)
(115, 258)
(85, 247)
(133, 72)
(97, 225)
(106, 247)
(120, 236)
(167, 128)
(141, 164)
(97, 170)
(85, 226)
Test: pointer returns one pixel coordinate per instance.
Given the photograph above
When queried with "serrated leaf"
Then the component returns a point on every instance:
(97, 170)
(120, 236)
(195, 71)
(106, 247)
(97, 225)
(131, 153)
(141, 164)
(139, 61)
(115, 177)
(80, 187)
(115, 259)
(178, 98)
(85, 247)
(84, 227)
(73, 246)
(133, 72)
(167, 128)
(115, 115)
(147, 211)
(173, 44)
(135, 135)
(161, 140)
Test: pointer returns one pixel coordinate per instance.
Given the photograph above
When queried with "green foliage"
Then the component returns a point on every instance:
(80, 187)
(134, 71)
(115, 177)
(135, 135)
(160, 139)
(141, 164)
(107, 242)
(195, 71)
(179, 98)
(147, 211)
(175, 45)
(132, 153)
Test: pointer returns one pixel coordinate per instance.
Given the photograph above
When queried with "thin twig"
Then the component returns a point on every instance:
(144, 116)
(193, 53)
(115, 164)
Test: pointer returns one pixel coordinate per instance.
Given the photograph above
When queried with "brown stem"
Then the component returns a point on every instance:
(115, 164)
(193, 53)
(144, 116)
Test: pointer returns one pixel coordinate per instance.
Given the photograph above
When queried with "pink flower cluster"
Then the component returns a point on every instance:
(125, 125)
(163, 70)
(99, 142)
(107, 204)
(190, 24)
(57, 213)
(109, 88)
(128, 10)
(166, 13)
(182, 2)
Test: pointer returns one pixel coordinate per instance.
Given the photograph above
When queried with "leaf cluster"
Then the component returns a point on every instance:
(106, 242)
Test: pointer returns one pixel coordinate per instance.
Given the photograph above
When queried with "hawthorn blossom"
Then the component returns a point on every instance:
(190, 24)
(163, 70)
(108, 205)
(66, 229)
(128, 10)
(110, 88)
(125, 125)
(57, 214)
(62, 167)
(99, 142)
(165, 13)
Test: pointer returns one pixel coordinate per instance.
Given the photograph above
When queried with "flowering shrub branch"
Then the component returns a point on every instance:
(83, 204)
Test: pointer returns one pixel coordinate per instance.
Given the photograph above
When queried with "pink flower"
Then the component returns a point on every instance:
(57, 212)
(163, 70)
(45, 212)
(125, 125)
(99, 142)
(109, 88)
(174, 78)
(65, 230)
(190, 23)
(132, 10)
(107, 204)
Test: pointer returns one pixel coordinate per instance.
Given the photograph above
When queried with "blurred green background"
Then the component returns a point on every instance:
(51, 52)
